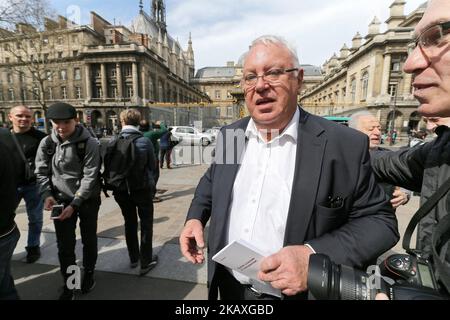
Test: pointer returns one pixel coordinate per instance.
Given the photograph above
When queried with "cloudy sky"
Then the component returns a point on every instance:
(223, 29)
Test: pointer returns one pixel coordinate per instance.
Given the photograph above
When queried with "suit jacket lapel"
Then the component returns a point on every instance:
(310, 150)
(226, 178)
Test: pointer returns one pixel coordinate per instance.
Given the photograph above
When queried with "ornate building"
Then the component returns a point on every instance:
(369, 75)
(100, 68)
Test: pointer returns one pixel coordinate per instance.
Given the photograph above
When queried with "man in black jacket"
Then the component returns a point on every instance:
(26, 140)
(9, 233)
(426, 167)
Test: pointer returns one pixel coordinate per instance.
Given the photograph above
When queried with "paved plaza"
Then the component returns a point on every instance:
(172, 279)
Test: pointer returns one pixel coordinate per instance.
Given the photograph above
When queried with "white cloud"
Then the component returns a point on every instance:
(223, 29)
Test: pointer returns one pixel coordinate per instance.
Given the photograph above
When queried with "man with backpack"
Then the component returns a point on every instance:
(129, 172)
(67, 170)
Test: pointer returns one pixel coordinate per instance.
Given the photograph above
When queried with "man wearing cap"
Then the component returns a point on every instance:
(67, 169)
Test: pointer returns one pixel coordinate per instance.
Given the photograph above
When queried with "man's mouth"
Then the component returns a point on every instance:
(419, 87)
(264, 101)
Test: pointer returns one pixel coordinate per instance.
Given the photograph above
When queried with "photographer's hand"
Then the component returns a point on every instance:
(287, 270)
(67, 213)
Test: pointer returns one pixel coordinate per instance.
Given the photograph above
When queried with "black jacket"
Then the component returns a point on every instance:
(7, 190)
(332, 160)
(422, 169)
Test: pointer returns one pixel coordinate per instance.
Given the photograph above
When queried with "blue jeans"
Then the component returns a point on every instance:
(35, 205)
(7, 245)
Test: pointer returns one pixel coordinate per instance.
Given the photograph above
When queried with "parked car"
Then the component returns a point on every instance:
(214, 131)
(192, 136)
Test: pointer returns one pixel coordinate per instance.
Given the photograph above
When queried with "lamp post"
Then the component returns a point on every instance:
(393, 110)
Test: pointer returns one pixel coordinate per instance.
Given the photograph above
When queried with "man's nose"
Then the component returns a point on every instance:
(417, 60)
(261, 84)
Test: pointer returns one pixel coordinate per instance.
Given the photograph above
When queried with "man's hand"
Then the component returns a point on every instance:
(49, 203)
(381, 296)
(399, 198)
(191, 241)
(287, 270)
(66, 214)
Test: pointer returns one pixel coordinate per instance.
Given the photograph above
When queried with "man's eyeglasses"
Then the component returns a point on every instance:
(431, 38)
(270, 76)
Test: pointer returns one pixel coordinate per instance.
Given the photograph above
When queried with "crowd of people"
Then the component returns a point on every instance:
(291, 183)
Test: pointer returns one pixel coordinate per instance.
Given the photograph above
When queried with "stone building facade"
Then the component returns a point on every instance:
(369, 75)
(101, 69)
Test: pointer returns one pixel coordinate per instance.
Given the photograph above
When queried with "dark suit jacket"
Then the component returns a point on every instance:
(332, 160)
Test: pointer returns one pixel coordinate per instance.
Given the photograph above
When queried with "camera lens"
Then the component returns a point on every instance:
(329, 281)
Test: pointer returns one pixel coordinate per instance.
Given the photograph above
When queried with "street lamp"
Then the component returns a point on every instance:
(393, 110)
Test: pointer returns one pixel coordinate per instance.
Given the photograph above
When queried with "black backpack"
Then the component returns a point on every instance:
(119, 160)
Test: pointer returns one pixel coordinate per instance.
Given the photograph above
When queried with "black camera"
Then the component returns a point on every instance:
(400, 277)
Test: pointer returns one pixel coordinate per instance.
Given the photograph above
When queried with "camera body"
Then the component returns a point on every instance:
(400, 277)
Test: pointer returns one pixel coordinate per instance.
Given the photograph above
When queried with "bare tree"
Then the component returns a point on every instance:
(31, 53)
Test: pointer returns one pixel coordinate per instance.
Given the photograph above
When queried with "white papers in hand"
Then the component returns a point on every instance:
(244, 258)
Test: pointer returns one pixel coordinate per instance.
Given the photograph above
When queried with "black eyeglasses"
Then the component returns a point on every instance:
(431, 38)
(271, 76)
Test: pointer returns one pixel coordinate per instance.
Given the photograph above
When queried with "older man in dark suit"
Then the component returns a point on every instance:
(290, 183)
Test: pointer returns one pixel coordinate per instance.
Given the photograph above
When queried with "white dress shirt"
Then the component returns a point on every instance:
(262, 190)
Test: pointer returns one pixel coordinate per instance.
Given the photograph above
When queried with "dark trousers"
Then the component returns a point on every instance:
(156, 173)
(7, 245)
(66, 238)
(164, 154)
(140, 201)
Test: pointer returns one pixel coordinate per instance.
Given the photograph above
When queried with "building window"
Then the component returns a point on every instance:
(99, 92)
(63, 75)
(45, 57)
(77, 73)
(113, 73)
(7, 60)
(24, 94)
(364, 85)
(78, 94)
(74, 38)
(1, 95)
(129, 92)
(393, 90)
(230, 112)
(11, 94)
(36, 93)
(396, 66)
(218, 94)
(22, 77)
(60, 55)
(64, 93)
(353, 89)
(49, 75)
(45, 41)
(9, 78)
(6, 47)
(60, 40)
(97, 73)
(128, 71)
(114, 93)
(50, 94)
(75, 53)
(218, 112)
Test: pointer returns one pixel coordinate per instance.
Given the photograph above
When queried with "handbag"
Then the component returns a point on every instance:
(29, 174)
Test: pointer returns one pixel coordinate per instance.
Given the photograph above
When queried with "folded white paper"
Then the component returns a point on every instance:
(244, 258)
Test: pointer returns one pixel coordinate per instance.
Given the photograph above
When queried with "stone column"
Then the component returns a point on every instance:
(88, 82)
(135, 81)
(104, 81)
(386, 75)
(119, 81)
(144, 84)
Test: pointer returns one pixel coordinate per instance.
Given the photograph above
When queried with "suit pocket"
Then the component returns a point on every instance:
(328, 219)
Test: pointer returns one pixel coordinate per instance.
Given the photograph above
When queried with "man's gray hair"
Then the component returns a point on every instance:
(353, 122)
(276, 40)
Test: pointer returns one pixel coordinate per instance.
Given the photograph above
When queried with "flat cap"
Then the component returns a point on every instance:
(61, 111)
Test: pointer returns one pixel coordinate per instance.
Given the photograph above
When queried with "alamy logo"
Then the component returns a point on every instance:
(73, 281)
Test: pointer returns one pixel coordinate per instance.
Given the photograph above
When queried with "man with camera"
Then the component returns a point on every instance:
(67, 169)
(426, 168)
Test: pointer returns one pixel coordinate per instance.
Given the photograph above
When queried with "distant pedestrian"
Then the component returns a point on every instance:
(136, 193)
(167, 144)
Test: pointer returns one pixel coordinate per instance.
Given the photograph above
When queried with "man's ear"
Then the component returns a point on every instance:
(300, 77)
